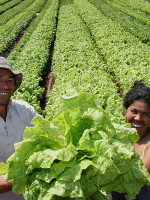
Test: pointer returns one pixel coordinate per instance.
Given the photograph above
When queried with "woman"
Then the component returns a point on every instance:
(137, 107)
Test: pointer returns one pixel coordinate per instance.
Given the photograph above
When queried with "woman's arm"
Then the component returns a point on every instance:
(5, 186)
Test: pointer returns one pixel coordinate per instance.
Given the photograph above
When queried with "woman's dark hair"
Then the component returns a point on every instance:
(139, 91)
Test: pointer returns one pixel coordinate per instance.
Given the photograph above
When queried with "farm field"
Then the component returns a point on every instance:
(100, 47)
(86, 53)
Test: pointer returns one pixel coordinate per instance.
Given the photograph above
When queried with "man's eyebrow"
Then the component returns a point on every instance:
(11, 76)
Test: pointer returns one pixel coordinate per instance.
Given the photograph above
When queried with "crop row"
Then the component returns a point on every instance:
(10, 31)
(78, 66)
(9, 14)
(19, 47)
(130, 24)
(9, 5)
(125, 55)
(3, 1)
(141, 17)
(33, 58)
(139, 5)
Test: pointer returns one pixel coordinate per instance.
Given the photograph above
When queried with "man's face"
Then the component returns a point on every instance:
(6, 86)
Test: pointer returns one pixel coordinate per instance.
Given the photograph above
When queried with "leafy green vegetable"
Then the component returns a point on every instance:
(79, 155)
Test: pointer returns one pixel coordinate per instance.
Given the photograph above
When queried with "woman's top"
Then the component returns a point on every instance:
(144, 148)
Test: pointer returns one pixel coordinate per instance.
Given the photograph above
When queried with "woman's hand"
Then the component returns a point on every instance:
(5, 186)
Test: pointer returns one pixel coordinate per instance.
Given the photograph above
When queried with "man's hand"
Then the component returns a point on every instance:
(5, 186)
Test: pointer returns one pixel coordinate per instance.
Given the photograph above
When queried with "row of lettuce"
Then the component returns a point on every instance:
(131, 24)
(3, 2)
(16, 20)
(131, 11)
(32, 53)
(9, 5)
(137, 5)
(12, 12)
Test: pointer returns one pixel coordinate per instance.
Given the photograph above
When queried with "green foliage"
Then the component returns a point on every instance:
(141, 17)
(10, 31)
(142, 6)
(33, 58)
(6, 16)
(125, 55)
(7, 6)
(80, 154)
(19, 47)
(78, 65)
(129, 23)
(3, 1)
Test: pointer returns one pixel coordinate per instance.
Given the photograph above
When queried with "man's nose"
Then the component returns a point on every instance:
(4, 84)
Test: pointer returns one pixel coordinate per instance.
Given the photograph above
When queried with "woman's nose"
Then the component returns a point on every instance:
(138, 117)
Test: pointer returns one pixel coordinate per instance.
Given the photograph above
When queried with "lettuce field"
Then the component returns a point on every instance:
(98, 46)
(66, 48)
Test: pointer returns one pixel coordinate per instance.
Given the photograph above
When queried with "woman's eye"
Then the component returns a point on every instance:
(146, 114)
(134, 111)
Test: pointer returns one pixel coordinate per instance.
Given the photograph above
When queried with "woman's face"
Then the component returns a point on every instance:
(138, 114)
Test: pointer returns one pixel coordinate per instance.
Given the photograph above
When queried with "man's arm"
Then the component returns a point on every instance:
(5, 186)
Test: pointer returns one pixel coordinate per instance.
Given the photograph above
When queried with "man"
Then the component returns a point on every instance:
(15, 115)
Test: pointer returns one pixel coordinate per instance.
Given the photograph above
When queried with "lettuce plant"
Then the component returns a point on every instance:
(80, 154)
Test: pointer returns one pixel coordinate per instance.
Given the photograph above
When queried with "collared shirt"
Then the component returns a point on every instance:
(19, 116)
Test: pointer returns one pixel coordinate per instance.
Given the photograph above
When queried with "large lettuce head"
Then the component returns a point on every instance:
(80, 154)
